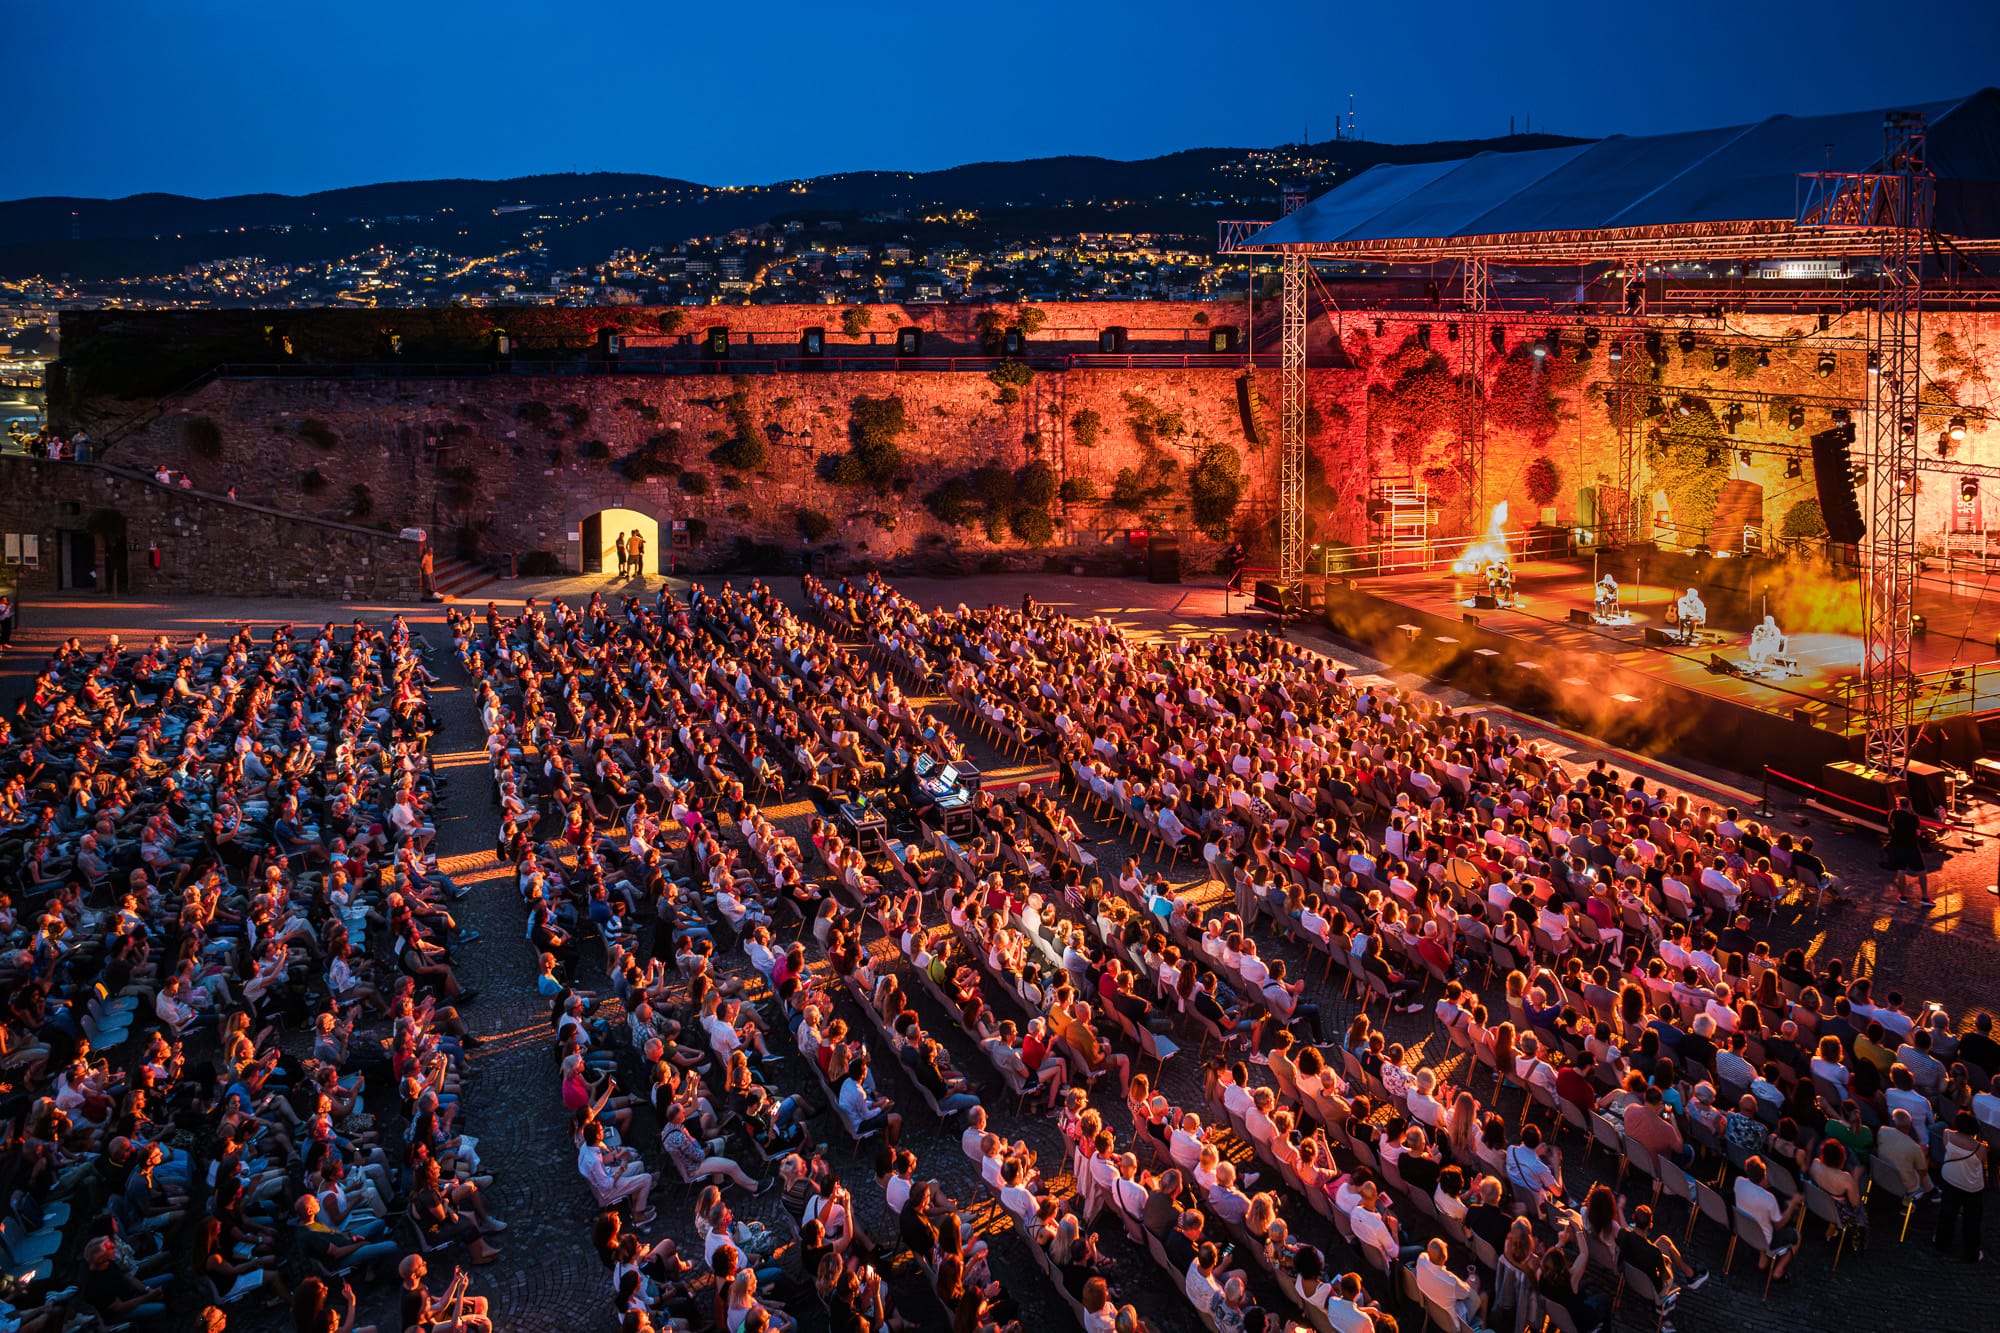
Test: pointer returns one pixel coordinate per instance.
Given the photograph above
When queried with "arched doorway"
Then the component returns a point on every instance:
(600, 533)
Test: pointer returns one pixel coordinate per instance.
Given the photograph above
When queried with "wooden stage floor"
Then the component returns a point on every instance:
(1960, 635)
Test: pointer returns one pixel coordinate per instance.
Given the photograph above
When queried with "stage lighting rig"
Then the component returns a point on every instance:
(1828, 363)
(1686, 341)
(1956, 429)
(1721, 358)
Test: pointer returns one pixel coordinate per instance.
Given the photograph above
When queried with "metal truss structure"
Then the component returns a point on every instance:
(1475, 293)
(1893, 206)
(1292, 408)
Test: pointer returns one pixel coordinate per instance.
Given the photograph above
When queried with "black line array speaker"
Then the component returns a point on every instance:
(1832, 479)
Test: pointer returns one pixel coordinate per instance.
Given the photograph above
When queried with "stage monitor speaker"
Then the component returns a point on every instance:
(716, 341)
(1469, 619)
(812, 342)
(909, 341)
(1012, 343)
(1111, 341)
(1222, 339)
(1579, 616)
(1802, 715)
(1163, 560)
(1486, 601)
(1658, 638)
(1838, 506)
(1278, 597)
(1719, 665)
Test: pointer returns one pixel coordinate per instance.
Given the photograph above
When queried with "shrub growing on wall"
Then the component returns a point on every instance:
(1085, 427)
(746, 448)
(952, 502)
(202, 437)
(535, 413)
(321, 434)
(1803, 520)
(314, 482)
(1012, 377)
(1215, 487)
(854, 320)
(813, 524)
(659, 456)
(994, 487)
(1032, 515)
(694, 483)
(360, 500)
(1150, 422)
(577, 414)
(874, 425)
(1079, 490)
(1543, 480)
(1136, 489)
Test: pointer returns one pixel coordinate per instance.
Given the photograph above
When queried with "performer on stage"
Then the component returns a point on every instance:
(1767, 643)
(1693, 615)
(1607, 597)
(1500, 582)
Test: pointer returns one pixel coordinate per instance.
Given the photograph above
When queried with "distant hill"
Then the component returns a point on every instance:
(582, 218)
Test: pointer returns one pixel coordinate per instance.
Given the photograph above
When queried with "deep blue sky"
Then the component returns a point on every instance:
(208, 97)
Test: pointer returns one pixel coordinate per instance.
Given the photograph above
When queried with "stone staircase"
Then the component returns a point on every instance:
(455, 580)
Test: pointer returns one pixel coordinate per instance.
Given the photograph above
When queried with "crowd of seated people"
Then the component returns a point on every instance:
(1412, 849)
(209, 845)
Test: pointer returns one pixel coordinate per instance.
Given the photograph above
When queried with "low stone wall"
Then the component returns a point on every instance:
(207, 544)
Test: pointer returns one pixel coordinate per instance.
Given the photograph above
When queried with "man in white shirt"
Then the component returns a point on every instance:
(1445, 1289)
(1376, 1229)
(1778, 1223)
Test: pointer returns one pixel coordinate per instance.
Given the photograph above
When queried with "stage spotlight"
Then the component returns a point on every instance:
(1956, 429)
(1591, 337)
(1744, 457)
(1763, 359)
(1796, 418)
(1906, 482)
(1842, 417)
(1541, 350)
(1381, 327)
(1722, 358)
(1685, 406)
(1655, 408)
(1617, 351)
(1686, 341)
(1794, 469)
(1827, 364)
(1944, 445)
(1499, 338)
(1714, 457)
(1554, 338)
(1909, 425)
(1715, 312)
(1856, 474)
(1655, 348)
(1968, 489)
(1874, 363)
(1733, 417)
(1424, 336)
(1451, 333)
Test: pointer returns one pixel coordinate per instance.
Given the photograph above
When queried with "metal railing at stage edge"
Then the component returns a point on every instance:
(1842, 807)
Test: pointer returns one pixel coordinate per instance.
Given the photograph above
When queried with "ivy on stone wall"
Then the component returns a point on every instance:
(1152, 424)
(1686, 456)
(1085, 427)
(874, 428)
(1543, 480)
(659, 456)
(1803, 520)
(1215, 487)
(317, 431)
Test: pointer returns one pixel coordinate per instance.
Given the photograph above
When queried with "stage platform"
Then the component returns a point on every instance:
(1609, 680)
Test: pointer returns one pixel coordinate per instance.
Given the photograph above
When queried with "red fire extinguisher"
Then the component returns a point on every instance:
(153, 558)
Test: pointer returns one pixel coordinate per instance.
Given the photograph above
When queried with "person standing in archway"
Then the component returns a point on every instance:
(621, 554)
(636, 548)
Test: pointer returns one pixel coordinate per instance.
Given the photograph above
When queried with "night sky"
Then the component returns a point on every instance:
(206, 97)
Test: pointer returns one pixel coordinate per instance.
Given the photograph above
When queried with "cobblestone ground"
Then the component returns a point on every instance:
(548, 1278)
